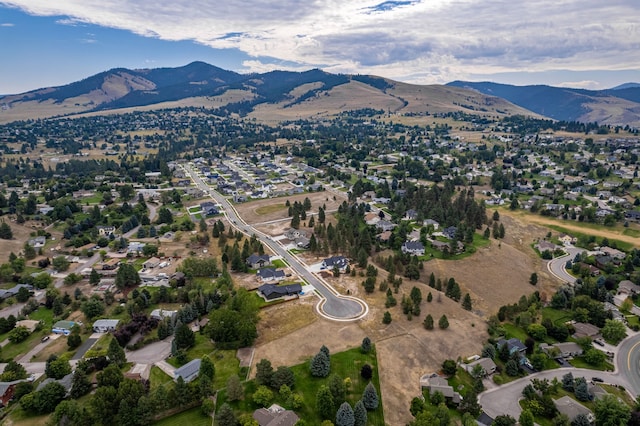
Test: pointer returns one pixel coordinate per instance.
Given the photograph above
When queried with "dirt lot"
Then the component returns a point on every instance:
(495, 275)
(254, 212)
(21, 234)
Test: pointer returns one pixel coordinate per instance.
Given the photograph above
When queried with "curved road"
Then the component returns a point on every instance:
(333, 305)
(628, 362)
(556, 266)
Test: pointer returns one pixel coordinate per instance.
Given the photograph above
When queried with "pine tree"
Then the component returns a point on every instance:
(207, 368)
(443, 323)
(80, 384)
(428, 322)
(370, 397)
(115, 353)
(360, 414)
(365, 347)
(320, 365)
(94, 277)
(337, 388)
(5, 231)
(324, 403)
(234, 388)
(345, 415)
(264, 372)
(225, 416)
(466, 302)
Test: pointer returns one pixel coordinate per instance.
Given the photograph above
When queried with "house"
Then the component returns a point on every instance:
(66, 382)
(151, 263)
(7, 293)
(628, 287)
(442, 246)
(562, 350)
(161, 314)
(632, 215)
(302, 242)
(37, 242)
(415, 248)
(335, 261)
(450, 232)
(105, 325)
(514, 345)
(275, 416)
(431, 222)
(111, 264)
(572, 408)
(614, 253)
(543, 246)
(30, 325)
(105, 231)
(385, 225)
(434, 383)
(7, 389)
(487, 364)
(256, 261)
(179, 278)
(135, 247)
(596, 391)
(272, 291)
(602, 260)
(567, 239)
(63, 327)
(292, 234)
(189, 371)
(411, 214)
(209, 208)
(583, 329)
(270, 274)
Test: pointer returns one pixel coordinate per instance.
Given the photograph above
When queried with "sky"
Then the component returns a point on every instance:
(591, 44)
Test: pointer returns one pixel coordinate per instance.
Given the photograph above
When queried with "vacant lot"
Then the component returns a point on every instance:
(261, 211)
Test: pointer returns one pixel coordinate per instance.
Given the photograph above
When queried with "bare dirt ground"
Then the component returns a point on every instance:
(252, 214)
(21, 234)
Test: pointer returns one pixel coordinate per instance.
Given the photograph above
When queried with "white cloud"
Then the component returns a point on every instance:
(583, 84)
(419, 41)
(7, 24)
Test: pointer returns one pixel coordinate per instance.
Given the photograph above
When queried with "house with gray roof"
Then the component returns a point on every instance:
(189, 371)
(434, 383)
(270, 274)
(275, 416)
(572, 408)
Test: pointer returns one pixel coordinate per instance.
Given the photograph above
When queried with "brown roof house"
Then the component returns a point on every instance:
(275, 416)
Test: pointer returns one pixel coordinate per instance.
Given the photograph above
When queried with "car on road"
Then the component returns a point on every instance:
(597, 379)
(599, 342)
(44, 339)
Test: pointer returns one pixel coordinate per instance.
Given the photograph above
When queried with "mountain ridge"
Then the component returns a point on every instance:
(305, 94)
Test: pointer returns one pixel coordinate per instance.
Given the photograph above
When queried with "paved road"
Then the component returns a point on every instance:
(504, 399)
(628, 362)
(150, 354)
(334, 305)
(556, 266)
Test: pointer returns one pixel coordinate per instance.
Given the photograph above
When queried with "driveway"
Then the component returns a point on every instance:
(150, 354)
(88, 344)
(504, 399)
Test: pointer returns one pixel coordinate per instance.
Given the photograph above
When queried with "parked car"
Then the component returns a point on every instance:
(597, 379)
(599, 342)
(45, 338)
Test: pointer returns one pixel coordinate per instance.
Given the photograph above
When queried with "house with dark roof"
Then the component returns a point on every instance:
(572, 408)
(270, 274)
(434, 383)
(209, 208)
(411, 214)
(415, 248)
(189, 371)
(7, 389)
(340, 262)
(7, 293)
(385, 225)
(66, 382)
(256, 261)
(275, 416)
(450, 232)
(514, 345)
(272, 291)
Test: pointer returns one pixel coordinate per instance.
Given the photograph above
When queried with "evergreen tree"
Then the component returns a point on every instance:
(370, 397)
(5, 231)
(207, 368)
(386, 318)
(466, 302)
(428, 322)
(235, 390)
(324, 403)
(94, 277)
(80, 384)
(365, 347)
(337, 388)
(360, 414)
(264, 372)
(320, 365)
(184, 337)
(345, 415)
(225, 416)
(443, 323)
(115, 353)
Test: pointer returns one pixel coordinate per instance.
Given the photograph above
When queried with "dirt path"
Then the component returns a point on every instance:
(575, 226)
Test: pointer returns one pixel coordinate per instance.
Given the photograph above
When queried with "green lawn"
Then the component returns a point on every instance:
(45, 315)
(621, 244)
(579, 362)
(461, 382)
(279, 263)
(515, 331)
(192, 417)
(344, 364)
(158, 378)
(13, 350)
(556, 316)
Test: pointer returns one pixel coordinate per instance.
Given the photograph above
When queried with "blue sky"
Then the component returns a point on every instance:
(576, 43)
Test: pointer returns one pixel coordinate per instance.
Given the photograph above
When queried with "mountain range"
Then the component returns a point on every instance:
(286, 95)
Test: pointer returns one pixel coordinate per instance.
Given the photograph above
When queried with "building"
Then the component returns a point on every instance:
(487, 364)
(161, 314)
(335, 261)
(30, 325)
(105, 231)
(63, 327)
(562, 350)
(7, 293)
(514, 345)
(105, 325)
(189, 371)
(272, 291)
(434, 383)
(270, 274)
(583, 329)
(256, 261)
(572, 408)
(415, 248)
(275, 416)
(37, 242)
(151, 263)
(209, 208)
